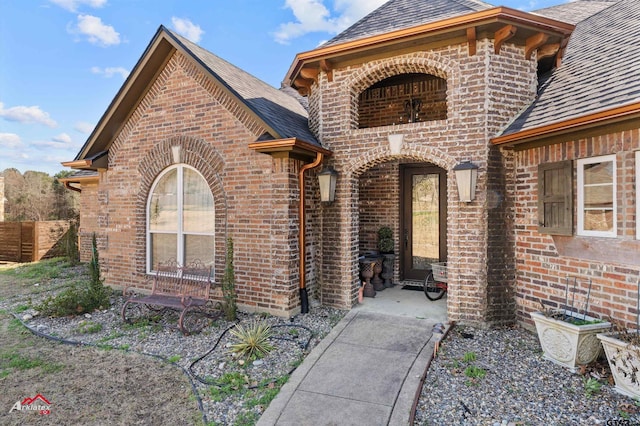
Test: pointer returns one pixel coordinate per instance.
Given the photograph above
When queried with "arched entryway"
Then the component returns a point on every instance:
(409, 197)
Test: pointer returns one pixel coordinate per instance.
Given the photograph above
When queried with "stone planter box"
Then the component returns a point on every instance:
(568, 344)
(623, 358)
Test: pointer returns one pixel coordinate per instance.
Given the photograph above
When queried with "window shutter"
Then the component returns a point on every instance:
(555, 198)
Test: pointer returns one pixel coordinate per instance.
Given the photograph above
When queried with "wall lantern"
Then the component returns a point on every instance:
(466, 177)
(327, 180)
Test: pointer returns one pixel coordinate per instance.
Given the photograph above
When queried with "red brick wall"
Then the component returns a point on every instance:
(544, 261)
(379, 190)
(89, 211)
(484, 92)
(254, 194)
(384, 106)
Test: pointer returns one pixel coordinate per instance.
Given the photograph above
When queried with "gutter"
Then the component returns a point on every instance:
(601, 118)
(502, 15)
(304, 297)
(79, 180)
(67, 185)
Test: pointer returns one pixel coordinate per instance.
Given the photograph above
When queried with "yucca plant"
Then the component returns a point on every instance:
(252, 341)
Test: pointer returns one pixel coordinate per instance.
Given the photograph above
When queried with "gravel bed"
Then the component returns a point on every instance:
(519, 388)
(205, 356)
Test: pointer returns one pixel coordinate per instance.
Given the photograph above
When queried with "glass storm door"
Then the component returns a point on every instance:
(424, 219)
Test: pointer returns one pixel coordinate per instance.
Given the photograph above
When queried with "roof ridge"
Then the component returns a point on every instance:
(401, 14)
(476, 2)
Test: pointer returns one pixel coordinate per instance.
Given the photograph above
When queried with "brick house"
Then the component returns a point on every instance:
(193, 149)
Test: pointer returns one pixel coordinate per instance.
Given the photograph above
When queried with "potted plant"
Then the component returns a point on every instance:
(622, 348)
(568, 337)
(385, 245)
(385, 240)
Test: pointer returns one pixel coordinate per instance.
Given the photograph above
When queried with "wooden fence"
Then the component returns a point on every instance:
(32, 241)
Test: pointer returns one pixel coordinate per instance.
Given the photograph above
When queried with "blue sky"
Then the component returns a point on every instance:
(63, 61)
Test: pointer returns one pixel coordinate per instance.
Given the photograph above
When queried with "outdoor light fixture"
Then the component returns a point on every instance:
(327, 180)
(466, 177)
(412, 108)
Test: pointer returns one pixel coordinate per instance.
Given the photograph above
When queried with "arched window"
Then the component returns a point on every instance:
(180, 218)
(402, 99)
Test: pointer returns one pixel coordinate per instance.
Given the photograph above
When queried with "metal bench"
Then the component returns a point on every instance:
(183, 288)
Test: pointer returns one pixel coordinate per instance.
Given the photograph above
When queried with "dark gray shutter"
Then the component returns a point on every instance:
(555, 198)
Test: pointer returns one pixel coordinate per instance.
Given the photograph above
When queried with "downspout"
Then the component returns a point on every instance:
(304, 297)
(67, 185)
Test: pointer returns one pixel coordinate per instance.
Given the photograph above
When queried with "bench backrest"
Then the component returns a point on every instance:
(192, 280)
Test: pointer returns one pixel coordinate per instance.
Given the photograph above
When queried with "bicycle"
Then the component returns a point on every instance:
(435, 283)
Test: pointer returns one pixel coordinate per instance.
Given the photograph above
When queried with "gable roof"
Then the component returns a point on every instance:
(599, 78)
(277, 108)
(424, 23)
(280, 113)
(398, 14)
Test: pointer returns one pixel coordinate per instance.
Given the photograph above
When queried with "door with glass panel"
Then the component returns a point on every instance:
(424, 219)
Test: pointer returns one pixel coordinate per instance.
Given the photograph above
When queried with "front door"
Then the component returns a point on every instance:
(424, 219)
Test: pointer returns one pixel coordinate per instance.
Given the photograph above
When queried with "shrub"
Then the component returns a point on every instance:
(385, 239)
(80, 298)
(229, 305)
(97, 293)
(252, 341)
(71, 244)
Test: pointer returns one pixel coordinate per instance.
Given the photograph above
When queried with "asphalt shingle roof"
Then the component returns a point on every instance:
(576, 11)
(400, 14)
(277, 108)
(82, 173)
(600, 70)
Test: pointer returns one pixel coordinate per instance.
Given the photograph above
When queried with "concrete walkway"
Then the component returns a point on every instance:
(365, 372)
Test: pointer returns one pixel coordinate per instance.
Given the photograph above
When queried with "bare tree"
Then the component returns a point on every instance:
(37, 196)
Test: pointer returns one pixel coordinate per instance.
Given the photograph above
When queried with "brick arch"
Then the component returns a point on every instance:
(375, 71)
(381, 154)
(351, 174)
(205, 159)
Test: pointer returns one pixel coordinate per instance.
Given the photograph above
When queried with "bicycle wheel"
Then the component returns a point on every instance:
(431, 290)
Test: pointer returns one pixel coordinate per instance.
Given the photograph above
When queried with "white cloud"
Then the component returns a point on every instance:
(188, 29)
(50, 144)
(27, 114)
(72, 5)
(62, 141)
(10, 140)
(314, 16)
(353, 10)
(111, 71)
(83, 127)
(97, 32)
(63, 138)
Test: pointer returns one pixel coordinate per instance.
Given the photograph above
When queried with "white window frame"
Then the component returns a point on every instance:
(180, 198)
(580, 186)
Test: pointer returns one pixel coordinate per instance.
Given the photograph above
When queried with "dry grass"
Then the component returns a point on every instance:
(85, 386)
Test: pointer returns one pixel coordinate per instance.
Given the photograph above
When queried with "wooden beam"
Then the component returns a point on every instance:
(502, 35)
(534, 42)
(563, 46)
(471, 40)
(327, 67)
(303, 82)
(548, 50)
(310, 73)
